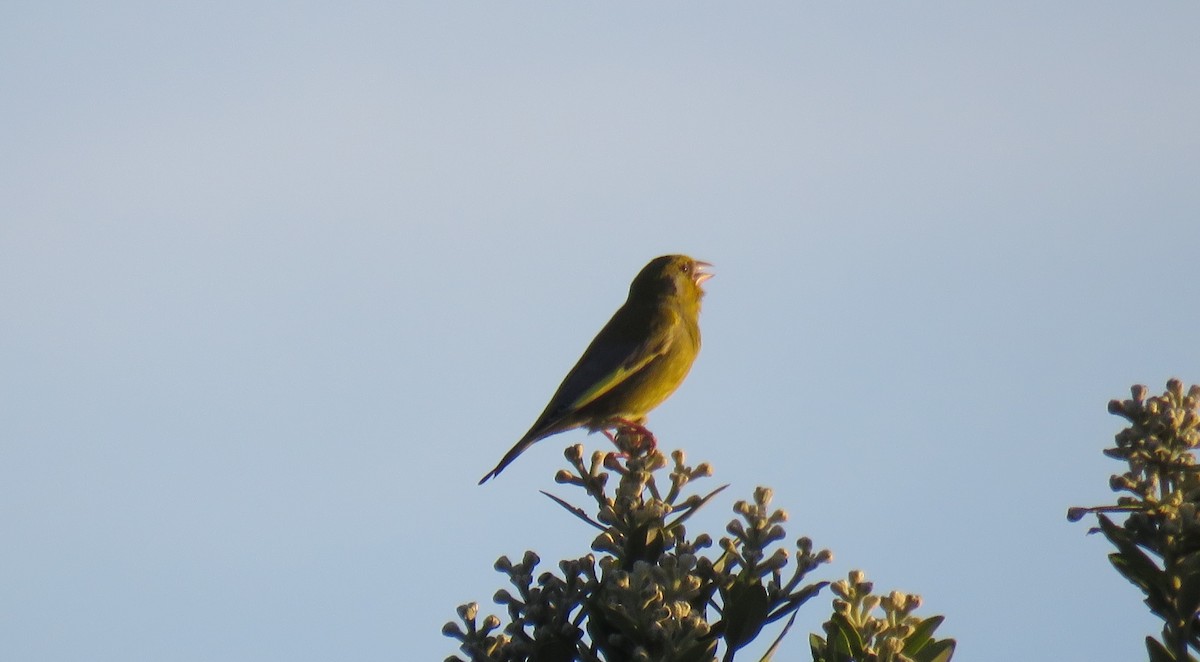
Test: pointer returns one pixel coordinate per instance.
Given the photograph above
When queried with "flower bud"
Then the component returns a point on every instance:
(468, 611)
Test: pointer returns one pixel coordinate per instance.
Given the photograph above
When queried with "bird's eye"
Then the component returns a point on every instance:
(685, 267)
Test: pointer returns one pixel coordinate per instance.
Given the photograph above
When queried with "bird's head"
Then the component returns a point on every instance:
(671, 276)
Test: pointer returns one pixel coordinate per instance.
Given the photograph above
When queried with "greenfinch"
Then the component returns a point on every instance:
(636, 361)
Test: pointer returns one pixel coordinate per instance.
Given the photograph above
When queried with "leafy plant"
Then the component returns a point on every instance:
(649, 591)
(856, 634)
(1158, 544)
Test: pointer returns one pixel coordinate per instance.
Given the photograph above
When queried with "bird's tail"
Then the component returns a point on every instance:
(511, 455)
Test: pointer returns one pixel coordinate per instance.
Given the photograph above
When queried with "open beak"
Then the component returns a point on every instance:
(699, 274)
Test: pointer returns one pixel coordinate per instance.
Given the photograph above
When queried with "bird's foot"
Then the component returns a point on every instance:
(631, 437)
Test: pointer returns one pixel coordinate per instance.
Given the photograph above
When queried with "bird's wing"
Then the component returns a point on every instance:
(604, 367)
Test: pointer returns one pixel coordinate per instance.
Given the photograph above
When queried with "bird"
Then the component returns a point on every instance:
(635, 362)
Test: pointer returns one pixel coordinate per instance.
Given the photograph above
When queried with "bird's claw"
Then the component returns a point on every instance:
(631, 438)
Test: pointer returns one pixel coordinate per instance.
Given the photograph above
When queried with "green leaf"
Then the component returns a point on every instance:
(1135, 565)
(692, 511)
(847, 641)
(1152, 582)
(604, 621)
(1158, 652)
(1121, 539)
(645, 543)
(578, 512)
(775, 646)
(921, 635)
(938, 651)
(1110, 528)
(555, 648)
(746, 605)
(1129, 570)
(795, 600)
(1188, 599)
(817, 645)
(1143, 573)
(722, 563)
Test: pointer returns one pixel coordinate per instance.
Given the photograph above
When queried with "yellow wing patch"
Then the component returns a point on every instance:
(619, 375)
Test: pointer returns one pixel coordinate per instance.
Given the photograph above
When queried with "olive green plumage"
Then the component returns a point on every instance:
(636, 361)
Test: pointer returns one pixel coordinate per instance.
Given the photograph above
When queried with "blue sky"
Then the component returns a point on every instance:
(281, 281)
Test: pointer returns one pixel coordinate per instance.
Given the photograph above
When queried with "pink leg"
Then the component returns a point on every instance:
(645, 435)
